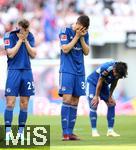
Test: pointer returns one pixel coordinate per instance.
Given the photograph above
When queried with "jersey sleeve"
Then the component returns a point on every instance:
(63, 36)
(31, 40)
(9, 42)
(87, 38)
(105, 70)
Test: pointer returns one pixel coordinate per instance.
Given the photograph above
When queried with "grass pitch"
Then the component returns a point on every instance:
(124, 125)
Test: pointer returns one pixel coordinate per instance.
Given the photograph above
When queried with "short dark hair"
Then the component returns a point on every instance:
(24, 23)
(121, 69)
(84, 21)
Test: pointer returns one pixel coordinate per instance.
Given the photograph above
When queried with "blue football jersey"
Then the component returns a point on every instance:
(21, 60)
(72, 62)
(106, 71)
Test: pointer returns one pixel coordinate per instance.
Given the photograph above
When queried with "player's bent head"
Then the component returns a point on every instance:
(23, 23)
(121, 69)
(84, 21)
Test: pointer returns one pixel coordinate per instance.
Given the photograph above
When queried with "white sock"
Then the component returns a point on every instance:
(94, 130)
(110, 129)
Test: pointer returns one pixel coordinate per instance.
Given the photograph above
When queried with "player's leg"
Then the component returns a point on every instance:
(110, 120)
(65, 110)
(79, 90)
(110, 117)
(26, 90)
(23, 113)
(66, 90)
(8, 114)
(93, 110)
(72, 117)
(110, 112)
(11, 91)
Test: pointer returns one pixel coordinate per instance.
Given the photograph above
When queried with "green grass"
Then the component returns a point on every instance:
(125, 125)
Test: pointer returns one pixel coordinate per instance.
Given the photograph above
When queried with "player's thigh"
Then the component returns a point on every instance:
(24, 102)
(79, 86)
(66, 83)
(27, 84)
(13, 83)
(104, 94)
(10, 101)
(90, 90)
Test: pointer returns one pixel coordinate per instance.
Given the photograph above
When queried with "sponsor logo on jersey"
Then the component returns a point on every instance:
(63, 37)
(77, 48)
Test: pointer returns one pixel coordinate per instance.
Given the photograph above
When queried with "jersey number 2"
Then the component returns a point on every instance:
(30, 85)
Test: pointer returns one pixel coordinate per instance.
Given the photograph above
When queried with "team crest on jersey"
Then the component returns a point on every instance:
(63, 88)
(7, 42)
(63, 37)
(8, 90)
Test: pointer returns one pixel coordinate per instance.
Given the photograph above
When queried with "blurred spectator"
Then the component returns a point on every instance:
(48, 16)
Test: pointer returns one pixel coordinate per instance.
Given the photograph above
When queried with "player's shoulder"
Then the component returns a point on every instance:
(14, 32)
(9, 34)
(65, 29)
(109, 65)
(30, 35)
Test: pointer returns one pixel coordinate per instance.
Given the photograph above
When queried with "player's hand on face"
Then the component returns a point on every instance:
(79, 31)
(21, 36)
(25, 33)
(95, 101)
(83, 31)
(111, 102)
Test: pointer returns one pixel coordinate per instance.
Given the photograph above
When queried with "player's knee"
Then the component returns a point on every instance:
(10, 104)
(67, 99)
(92, 106)
(23, 104)
(75, 103)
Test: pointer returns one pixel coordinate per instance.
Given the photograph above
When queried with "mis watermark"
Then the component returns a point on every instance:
(32, 136)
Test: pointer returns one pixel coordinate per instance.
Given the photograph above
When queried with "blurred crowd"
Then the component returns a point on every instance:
(48, 16)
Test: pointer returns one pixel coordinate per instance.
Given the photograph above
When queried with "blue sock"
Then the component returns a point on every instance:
(72, 118)
(110, 116)
(22, 120)
(8, 116)
(65, 109)
(93, 118)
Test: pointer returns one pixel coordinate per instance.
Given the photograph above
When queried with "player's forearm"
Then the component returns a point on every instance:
(84, 46)
(112, 87)
(31, 50)
(66, 48)
(98, 87)
(11, 52)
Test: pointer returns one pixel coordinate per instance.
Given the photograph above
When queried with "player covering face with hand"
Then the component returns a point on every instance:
(74, 41)
(19, 45)
(100, 86)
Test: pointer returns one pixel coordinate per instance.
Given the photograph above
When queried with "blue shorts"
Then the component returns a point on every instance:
(19, 82)
(91, 89)
(71, 84)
